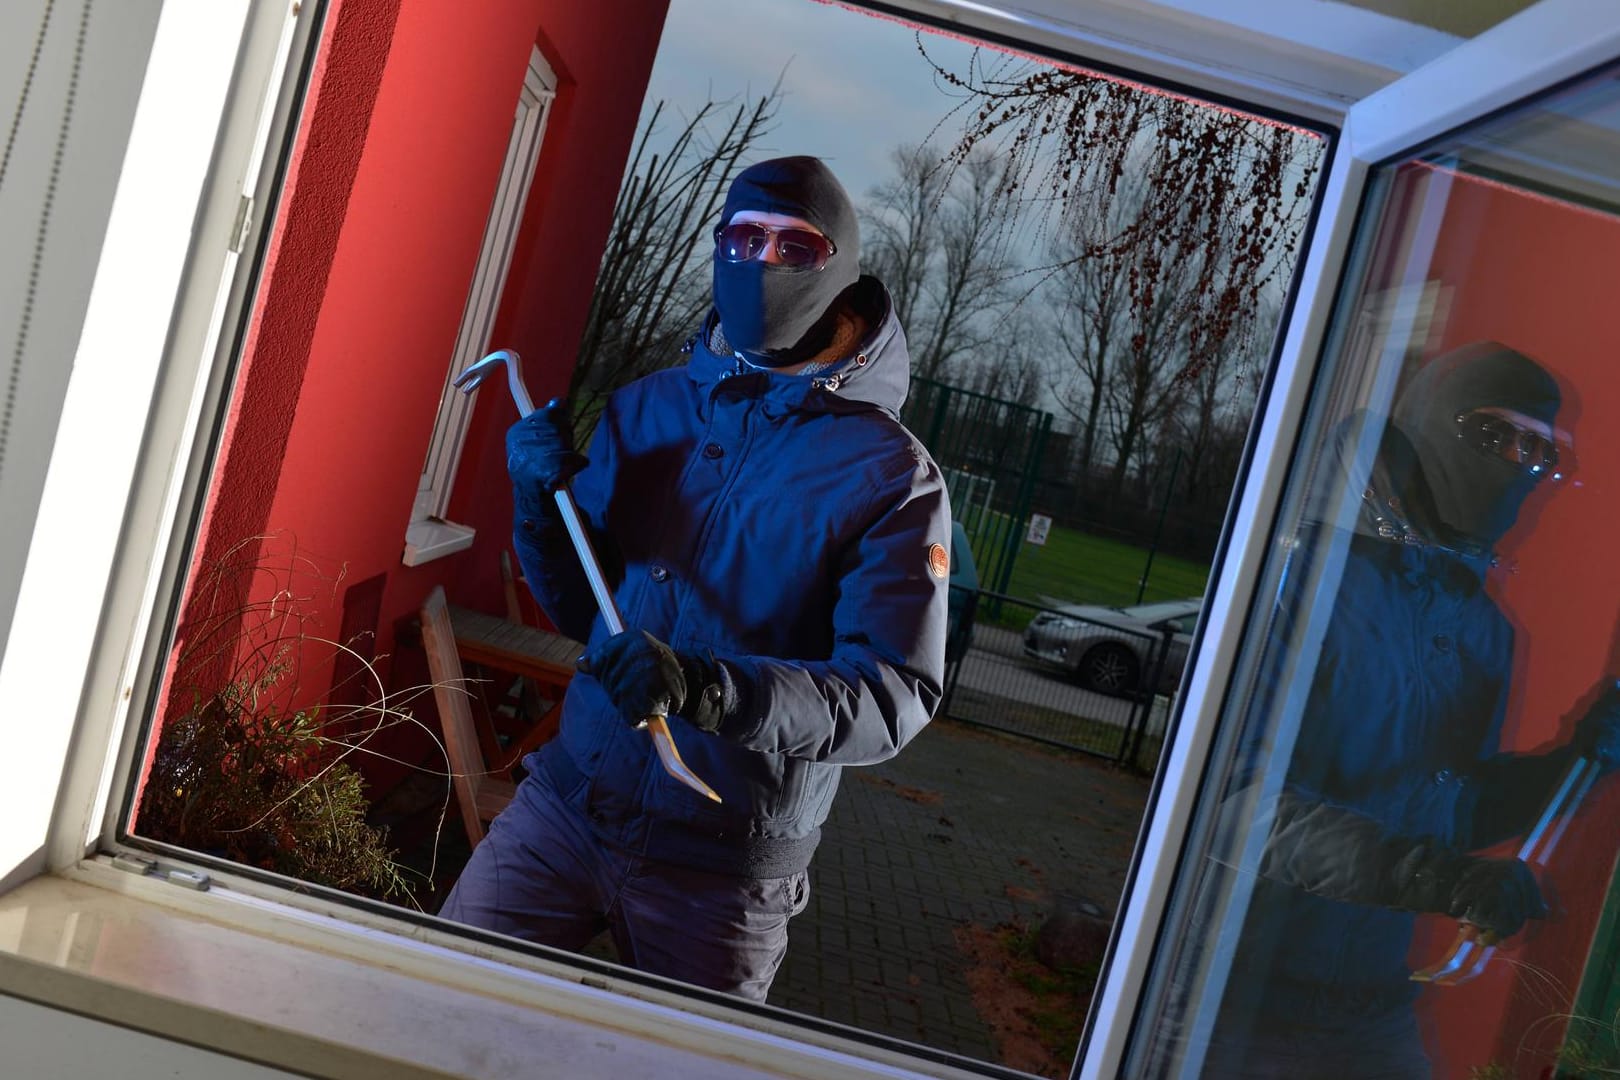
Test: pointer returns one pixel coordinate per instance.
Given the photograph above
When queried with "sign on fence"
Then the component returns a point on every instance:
(1039, 526)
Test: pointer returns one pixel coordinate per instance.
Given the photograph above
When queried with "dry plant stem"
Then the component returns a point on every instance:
(247, 661)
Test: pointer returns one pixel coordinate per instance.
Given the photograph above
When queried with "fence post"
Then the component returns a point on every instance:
(953, 667)
(942, 406)
(1152, 696)
(1158, 530)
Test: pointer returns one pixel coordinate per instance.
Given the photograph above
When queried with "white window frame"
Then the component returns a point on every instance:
(1530, 53)
(430, 534)
(102, 549)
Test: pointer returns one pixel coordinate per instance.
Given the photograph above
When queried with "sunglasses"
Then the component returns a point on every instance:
(797, 249)
(1497, 436)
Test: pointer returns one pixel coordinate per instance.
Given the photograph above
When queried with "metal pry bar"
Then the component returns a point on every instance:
(658, 723)
(1474, 947)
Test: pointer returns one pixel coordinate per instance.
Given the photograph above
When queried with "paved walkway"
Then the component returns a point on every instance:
(964, 827)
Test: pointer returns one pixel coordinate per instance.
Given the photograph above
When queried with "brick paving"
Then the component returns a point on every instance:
(963, 827)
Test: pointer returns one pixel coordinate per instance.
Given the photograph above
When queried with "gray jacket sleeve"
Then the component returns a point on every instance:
(1339, 854)
(885, 676)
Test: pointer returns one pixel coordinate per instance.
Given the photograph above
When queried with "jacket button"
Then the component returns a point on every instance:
(1442, 643)
(713, 450)
(1442, 775)
(658, 572)
(528, 525)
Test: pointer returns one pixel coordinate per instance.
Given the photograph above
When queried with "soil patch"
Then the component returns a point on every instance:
(1034, 1014)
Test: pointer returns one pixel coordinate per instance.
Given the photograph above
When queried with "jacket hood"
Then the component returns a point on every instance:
(1476, 494)
(876, 374)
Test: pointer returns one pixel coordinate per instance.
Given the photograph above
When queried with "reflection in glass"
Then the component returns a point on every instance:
(1402, 866)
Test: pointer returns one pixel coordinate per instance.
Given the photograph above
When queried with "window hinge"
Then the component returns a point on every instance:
(174, 875)
(244, 221)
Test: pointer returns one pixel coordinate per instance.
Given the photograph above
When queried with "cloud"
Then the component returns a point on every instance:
(854, 86)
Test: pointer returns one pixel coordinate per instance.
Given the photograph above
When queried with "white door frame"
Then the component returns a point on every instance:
(1541, 47)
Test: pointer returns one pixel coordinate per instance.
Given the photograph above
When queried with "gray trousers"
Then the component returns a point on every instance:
(542, 875)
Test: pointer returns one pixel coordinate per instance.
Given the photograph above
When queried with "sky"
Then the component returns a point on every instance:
(855, 85)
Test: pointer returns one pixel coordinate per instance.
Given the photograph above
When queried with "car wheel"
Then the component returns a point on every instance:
(1108, 669)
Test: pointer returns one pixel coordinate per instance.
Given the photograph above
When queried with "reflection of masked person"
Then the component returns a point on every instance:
(785, 311)
(1395, 776)
(1473, 417)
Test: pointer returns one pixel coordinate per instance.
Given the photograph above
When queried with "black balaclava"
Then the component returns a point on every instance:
(773, 315)
(1476, 495)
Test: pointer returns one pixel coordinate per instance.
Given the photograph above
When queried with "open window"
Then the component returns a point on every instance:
(297, 622)
(328, 388)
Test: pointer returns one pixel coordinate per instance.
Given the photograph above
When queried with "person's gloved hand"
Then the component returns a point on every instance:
(1496, 895)
(540, 450)
(644, 677)
(1598, 734)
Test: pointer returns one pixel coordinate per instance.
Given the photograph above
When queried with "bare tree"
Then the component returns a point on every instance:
(937, 238)
(1210, 425)
(900, 234)
(652, 286)
(1119, 344)
(1145, 389)
(1016, 374)
(1088, 318)
(1223, 195)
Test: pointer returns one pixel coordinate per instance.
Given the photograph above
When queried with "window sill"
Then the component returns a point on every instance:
(431, 539)
(311, 993)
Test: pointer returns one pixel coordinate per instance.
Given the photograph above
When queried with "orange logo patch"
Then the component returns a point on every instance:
(939, 560)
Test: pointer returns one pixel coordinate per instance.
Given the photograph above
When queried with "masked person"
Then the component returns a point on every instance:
(777, 541)
(1396, 778)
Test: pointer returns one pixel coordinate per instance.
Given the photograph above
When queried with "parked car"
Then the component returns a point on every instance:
(1113, 650)
(964, 598)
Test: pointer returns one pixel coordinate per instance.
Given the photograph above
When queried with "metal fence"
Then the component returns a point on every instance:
(1060, 679)
(990, 451)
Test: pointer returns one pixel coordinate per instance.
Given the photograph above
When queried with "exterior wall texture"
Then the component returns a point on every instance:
(404, 130)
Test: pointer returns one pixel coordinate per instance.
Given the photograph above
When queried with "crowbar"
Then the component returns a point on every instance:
(1474, 946)
(658, 723)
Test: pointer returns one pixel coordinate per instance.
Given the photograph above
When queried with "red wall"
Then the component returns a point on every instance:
(1538, 276)
(405, 130)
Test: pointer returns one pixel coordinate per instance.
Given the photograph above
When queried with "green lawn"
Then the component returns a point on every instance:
(1077, 568)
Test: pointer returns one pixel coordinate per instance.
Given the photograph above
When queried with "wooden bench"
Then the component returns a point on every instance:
(545, 659)
(451, 635)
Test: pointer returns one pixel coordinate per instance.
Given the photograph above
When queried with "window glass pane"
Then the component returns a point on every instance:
(1403, 861)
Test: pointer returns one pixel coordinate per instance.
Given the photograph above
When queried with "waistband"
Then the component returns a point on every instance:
(682, 843)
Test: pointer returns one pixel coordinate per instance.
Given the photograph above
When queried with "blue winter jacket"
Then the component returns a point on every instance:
(1396, 764)
(783, 524)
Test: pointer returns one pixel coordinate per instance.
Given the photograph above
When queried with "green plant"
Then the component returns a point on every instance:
(1591, 1050)
(1061, 995)
(236, 778)
(253, 770)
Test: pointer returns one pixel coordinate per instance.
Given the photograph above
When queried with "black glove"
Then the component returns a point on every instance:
(1598, 734)
(644, 677)
(540, 452)
(1495, 894)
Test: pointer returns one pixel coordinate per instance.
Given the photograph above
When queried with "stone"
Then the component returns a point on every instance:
(1074, 936)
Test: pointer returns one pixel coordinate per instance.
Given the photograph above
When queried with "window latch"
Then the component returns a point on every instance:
(174, 875)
